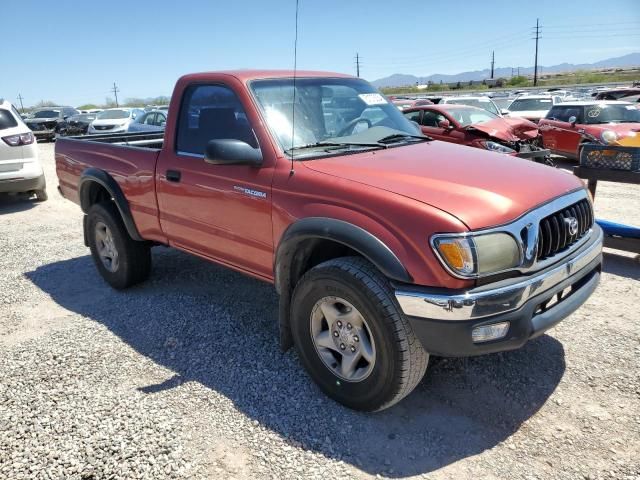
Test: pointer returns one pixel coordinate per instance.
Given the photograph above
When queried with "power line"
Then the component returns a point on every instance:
(535, 67)
(115, 91)
(21, 105)
(493, 61)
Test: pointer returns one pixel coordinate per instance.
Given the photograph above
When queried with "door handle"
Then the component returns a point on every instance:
(173, 175)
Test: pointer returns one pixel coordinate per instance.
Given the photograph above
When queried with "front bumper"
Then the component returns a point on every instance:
(444, 320)
(542, 153)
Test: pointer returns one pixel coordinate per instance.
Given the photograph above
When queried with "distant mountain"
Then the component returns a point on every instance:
(401, 80)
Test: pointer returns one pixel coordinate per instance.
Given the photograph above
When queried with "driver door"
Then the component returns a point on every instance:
(222, 212)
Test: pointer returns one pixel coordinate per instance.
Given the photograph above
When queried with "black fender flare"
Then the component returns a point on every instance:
(322, 228)
(91, 175)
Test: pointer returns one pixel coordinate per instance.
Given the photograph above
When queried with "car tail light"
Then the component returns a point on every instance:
(20, 139)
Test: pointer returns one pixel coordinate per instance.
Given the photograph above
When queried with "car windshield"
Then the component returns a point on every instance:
(336, 111)
(611, 114)
(83, 117)
(525, 104)
(112, 114)
(46, 114)
(469, 116)
(483, 103)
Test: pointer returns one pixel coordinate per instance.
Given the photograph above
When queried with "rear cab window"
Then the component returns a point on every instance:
(7, 120)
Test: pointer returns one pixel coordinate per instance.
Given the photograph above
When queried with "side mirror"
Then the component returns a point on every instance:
(573, 120)
(445, 124)
(232, 152)
(504, 111)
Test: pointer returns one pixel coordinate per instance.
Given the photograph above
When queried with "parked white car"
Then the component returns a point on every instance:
(20, 168)
(532, 107)
(114, 120)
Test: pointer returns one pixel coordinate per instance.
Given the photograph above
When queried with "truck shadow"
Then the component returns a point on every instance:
(217, 327)
(622, 265)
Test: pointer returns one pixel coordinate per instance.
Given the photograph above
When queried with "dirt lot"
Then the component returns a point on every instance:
(181, 377)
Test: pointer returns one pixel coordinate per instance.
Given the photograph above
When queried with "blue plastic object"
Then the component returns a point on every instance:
(618, 229)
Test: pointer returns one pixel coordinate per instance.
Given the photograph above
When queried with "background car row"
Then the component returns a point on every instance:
(49, 122)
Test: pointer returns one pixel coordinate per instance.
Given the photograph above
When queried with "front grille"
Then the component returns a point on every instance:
(35, 126)
(103, 127)
(554, 233)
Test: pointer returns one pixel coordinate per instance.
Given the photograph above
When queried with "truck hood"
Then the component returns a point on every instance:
(480, 188)
(507, 129)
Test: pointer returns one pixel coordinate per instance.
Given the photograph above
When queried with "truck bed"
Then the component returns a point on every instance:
(130, 159)
(138, 139)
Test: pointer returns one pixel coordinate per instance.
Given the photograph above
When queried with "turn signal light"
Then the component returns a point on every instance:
(486, 333)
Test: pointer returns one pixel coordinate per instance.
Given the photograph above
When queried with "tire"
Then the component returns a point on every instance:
(399, 361)
(41, 195)
(107, 236)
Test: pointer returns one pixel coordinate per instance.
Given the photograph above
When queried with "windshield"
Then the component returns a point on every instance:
(469, 116)
(524, 104)
(112, 114)
(46, 114)
(329, 110)
(483, 103)
(611, 114)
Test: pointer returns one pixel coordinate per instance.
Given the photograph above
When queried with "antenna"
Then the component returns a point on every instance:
(293, 107)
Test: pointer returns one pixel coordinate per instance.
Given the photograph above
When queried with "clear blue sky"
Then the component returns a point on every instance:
(72, 51)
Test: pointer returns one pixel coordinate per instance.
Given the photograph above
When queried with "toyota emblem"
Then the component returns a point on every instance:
(572, 225)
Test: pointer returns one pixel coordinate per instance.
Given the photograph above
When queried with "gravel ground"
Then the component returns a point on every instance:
(181, 377)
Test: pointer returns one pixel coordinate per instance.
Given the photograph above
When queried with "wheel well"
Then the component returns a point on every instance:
(95, 193)
(312, 252)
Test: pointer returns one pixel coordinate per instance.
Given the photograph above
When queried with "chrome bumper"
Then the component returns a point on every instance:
(484, 302)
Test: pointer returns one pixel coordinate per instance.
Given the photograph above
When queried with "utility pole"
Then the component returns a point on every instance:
(493, 61)
(535, 65)
(115, 91)
(357, 64)
(21, 105)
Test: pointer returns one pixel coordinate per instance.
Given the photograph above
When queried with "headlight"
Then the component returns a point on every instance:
(609, 136)
(477, 255)
(496, 147)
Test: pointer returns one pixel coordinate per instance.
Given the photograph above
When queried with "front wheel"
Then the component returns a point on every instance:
(352, 337)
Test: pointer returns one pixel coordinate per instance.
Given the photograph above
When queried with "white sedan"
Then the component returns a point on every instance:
(20, 169)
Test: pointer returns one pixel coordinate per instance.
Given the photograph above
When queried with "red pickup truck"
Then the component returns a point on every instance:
(384, 245)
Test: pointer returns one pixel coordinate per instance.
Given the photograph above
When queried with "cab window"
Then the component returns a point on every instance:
(432, 119)
(413, 116)
(211, 112)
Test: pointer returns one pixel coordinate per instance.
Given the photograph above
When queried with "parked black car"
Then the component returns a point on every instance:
(75, 125)
(43, 121)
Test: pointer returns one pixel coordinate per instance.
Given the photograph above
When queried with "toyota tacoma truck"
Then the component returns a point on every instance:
(385, 246)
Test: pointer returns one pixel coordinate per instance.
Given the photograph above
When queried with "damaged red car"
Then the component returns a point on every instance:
(479, 128)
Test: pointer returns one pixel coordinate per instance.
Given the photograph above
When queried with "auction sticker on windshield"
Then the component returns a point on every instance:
(372, 98)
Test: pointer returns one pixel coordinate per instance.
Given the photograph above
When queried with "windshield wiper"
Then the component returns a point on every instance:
(402, 136)
(336, 145)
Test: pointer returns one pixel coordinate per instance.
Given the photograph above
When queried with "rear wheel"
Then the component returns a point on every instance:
(352, 337)
(41, 195)
(121, 261)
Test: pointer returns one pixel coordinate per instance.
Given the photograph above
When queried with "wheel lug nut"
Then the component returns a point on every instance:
(349, 326)
(339, 323)
(353, 349)
(355, 338)
(342, 347)
(335, 333)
